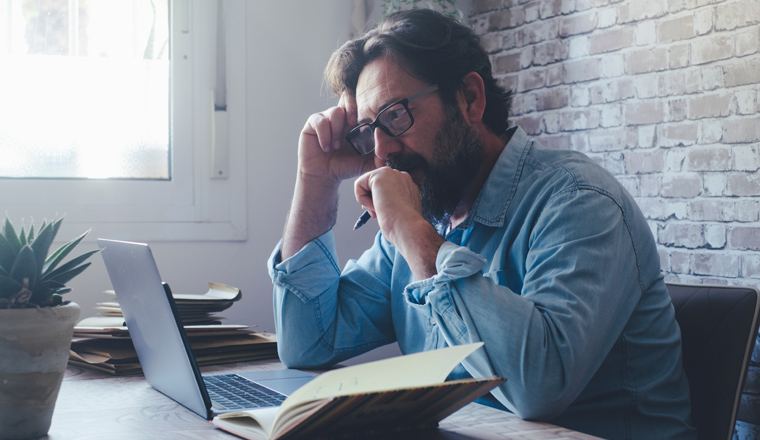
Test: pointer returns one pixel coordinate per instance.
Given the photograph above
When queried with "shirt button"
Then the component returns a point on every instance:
(432, 320)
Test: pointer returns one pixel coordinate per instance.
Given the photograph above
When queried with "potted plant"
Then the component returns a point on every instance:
(35, 325)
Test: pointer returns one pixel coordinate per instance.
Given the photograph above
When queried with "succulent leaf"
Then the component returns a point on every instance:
(10, 235)
(41, 245)
(7, 255)
(25, 267)
(9, 286)
(52, 261)
(60, 273)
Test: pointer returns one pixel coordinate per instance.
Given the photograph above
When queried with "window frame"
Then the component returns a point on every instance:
(193, 205)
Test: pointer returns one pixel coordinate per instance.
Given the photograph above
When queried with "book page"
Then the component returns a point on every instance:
(412, 370)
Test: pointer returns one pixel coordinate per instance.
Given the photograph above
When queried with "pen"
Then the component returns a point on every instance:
(362, 220)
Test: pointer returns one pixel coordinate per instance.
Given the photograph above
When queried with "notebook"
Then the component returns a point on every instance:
(163, 348)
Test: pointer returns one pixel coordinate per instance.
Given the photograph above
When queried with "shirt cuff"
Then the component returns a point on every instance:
(452, 263)
(312, 270)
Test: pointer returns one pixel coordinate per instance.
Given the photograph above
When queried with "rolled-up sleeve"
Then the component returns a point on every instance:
(324, 315)
(549, 338)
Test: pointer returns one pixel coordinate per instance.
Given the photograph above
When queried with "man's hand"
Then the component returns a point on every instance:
(323, 152)
(394, 199)
(324, 160)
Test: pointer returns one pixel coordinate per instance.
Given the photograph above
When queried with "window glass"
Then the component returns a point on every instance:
(85, 87)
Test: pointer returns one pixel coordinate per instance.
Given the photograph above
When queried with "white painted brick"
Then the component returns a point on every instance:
(710, 210)
(709, 106)
(645, 33)
(744, 130)
(583, 70)
(714, 184)
(607, 18)
(612, 91)
(641, 9)
(748, 42)
(747, 210)
(710, 131)
(579, 119)
(675, 158)
(751, 269)
(631, 184)
(712, 78)
(737, 14)
(530, 79)
(644, 112)
(554, 74)
(649, 185)
(580, 97)
(612, 116)
(678, 134)
(646, 86)
(551, 123)
(646, 60)
(742, 73)
(643, 162)
(579, 142)
(681, 28)
(746, 157)
(657, 209)
(530, 123)
(611, 40)
(677, 109)
(746, 101)
(745, 237)
(577, 47)
(647, 136)
(686, 235)
(681, 185)
(577, 24)
(720, 265)
(679, 82)
(680, 261)
(612, 66)
(614, 139)
(713, 158)
(531, 11)
(712, 48)
(703, 21)
(679, 55)
(715, 236)
(743, 184)
(614, 163)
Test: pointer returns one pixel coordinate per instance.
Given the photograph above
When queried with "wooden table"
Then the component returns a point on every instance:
(97, 406)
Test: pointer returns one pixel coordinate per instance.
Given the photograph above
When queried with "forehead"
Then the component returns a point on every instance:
(382, 82)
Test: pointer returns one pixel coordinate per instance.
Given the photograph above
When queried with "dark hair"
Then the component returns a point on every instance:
(432, 48)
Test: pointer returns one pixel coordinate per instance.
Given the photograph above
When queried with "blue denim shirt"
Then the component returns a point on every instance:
(555, 270)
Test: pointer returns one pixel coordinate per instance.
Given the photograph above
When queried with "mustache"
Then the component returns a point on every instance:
(407, 162)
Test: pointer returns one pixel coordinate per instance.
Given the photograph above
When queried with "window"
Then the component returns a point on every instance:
(111, 117)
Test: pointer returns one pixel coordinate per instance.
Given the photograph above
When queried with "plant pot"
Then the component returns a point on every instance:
(34, 351)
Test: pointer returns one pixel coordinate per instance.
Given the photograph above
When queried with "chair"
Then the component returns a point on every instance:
(718, 329)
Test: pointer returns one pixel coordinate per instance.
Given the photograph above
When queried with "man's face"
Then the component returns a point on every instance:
(441, 151)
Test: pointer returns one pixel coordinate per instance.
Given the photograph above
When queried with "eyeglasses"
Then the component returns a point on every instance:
(394, 120)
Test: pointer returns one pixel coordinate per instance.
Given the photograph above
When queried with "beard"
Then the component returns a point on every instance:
(457, 155)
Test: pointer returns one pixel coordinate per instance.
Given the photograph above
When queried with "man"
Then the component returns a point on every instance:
(484, 236)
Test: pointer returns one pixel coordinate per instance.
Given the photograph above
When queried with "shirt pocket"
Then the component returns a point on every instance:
(507, 278)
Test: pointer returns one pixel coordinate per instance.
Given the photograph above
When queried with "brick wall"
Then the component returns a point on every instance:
(665, 94)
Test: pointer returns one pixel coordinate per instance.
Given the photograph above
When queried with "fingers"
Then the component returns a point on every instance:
(328, 127)
(348, 102)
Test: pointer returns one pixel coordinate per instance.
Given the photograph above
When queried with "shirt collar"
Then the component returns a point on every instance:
(490, 208)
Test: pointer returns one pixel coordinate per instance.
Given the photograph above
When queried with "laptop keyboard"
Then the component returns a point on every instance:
(230, 391)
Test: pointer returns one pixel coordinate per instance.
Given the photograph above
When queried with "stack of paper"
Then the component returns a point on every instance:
(103, 343)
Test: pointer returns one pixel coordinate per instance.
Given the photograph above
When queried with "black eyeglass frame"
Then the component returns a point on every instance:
(376, 123)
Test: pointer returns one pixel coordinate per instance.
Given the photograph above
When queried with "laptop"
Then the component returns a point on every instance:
(163, 348)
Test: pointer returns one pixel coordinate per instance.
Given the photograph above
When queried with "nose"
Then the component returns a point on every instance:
(385, 145)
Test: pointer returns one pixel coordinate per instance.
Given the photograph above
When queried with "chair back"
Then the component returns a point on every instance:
(718, 330)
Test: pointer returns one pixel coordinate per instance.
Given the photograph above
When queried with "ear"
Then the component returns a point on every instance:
(474, 95)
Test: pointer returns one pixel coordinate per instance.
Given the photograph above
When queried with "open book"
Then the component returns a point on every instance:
(400, 393)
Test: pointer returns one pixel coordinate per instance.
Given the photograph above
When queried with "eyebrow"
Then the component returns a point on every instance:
(382, 107)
